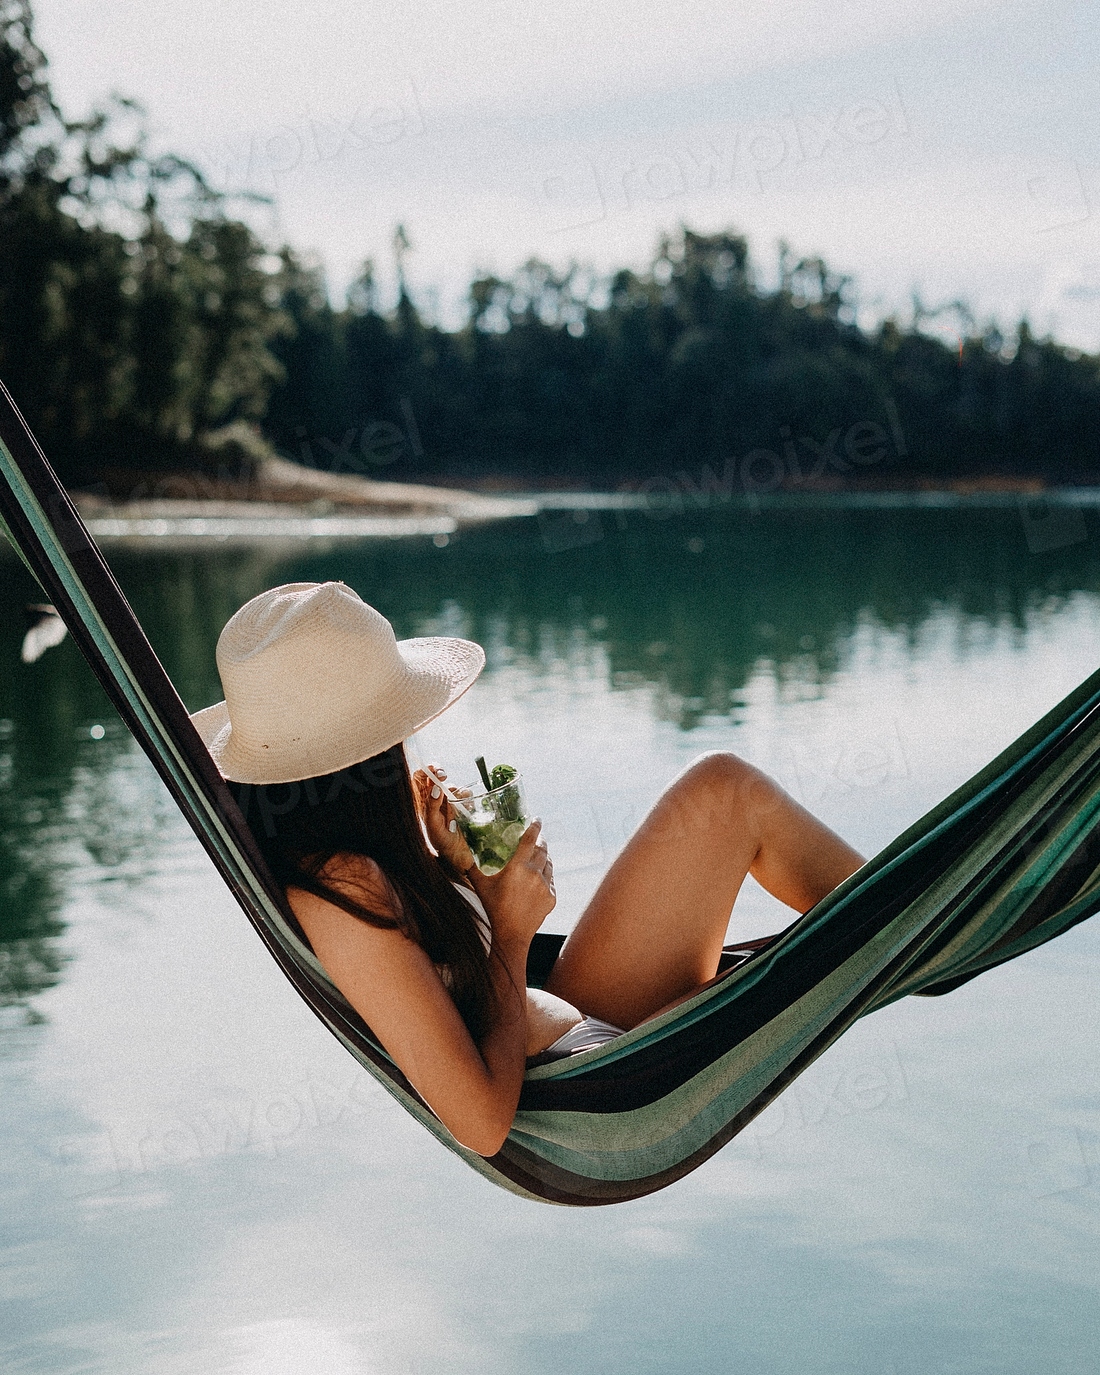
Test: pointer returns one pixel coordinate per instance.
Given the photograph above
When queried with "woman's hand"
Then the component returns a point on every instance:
(439, 820)
(522, 895)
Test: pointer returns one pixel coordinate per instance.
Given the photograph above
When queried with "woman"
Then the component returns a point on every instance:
(320, 697)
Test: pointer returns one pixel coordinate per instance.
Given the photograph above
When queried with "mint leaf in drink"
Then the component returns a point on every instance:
(508, 805)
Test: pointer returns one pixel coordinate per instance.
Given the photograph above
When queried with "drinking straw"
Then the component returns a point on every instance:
(450, 792)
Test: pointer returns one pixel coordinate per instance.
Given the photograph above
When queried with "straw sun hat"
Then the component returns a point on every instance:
(315, 680)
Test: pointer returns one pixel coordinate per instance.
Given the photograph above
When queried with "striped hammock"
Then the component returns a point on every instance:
(1008, 861)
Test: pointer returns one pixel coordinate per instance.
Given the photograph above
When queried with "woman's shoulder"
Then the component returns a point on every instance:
(366, 959)
(356, 877)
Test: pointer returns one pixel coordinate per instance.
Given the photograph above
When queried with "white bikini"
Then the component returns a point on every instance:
(586, 1034)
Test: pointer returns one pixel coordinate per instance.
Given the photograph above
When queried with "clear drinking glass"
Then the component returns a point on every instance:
(492, 823)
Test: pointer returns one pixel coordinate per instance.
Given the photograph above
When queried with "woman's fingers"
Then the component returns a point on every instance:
(532, 849)
(441, 824)
(528, 841)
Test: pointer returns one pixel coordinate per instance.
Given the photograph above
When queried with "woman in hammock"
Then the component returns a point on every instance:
(320, 697)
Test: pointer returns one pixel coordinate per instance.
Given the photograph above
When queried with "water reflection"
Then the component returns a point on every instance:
(692, 606)
(30, 956)
(39, 705)
(184, 1139)
(67, 771)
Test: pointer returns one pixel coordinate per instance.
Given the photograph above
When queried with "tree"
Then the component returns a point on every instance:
(124, 349)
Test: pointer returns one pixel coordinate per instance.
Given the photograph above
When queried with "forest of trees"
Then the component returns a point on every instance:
(139, 317)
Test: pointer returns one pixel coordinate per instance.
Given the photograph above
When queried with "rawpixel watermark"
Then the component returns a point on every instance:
(795, 461)
(262, 159)
(822, 768)
(263, 1124)
(1050, 524)
(744, 157)
(1057, 1162)
(376, 444)
(1057, 196)
(835, 1091)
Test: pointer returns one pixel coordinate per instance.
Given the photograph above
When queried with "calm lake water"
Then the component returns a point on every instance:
(195, 1177)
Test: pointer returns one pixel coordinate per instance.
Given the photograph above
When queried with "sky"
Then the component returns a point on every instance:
(931, 146)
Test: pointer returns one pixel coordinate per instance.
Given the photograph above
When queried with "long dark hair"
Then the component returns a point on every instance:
(369, 809)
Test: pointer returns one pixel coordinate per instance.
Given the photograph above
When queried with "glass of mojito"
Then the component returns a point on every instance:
(492, 821)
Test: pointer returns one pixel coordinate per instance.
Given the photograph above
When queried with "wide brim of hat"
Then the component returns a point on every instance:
(439, 669)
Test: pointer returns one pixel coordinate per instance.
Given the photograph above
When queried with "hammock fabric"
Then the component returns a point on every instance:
(1010, 860)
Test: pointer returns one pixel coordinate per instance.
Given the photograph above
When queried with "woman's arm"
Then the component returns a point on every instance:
(392, 984)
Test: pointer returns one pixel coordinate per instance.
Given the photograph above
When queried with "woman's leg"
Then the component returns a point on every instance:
(654, 929)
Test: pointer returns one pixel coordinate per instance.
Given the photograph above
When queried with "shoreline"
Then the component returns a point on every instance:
(167, 523)
(292, 505)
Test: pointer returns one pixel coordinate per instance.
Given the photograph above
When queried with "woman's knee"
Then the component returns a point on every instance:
(724, 780)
